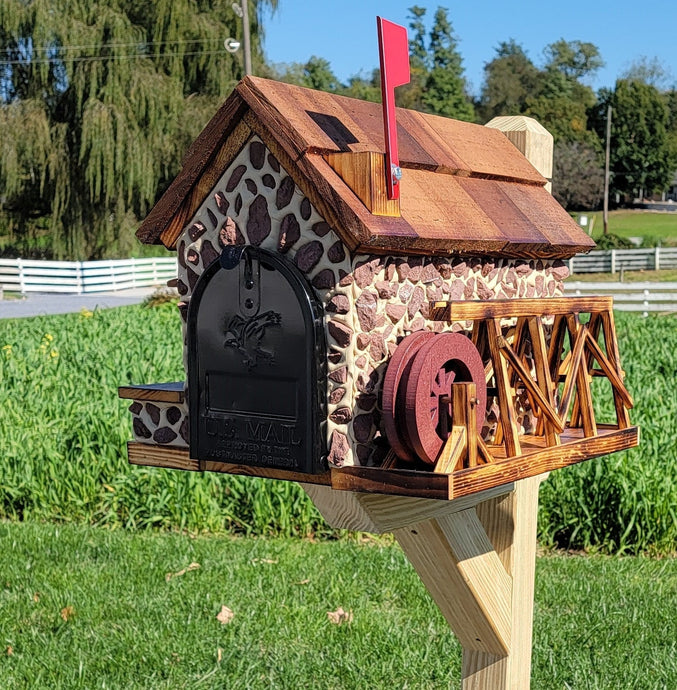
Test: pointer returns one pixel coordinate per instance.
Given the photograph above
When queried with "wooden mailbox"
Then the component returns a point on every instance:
(412, 362)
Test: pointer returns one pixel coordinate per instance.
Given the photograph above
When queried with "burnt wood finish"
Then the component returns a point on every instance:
(159, 392)
(465, 189)
(535, 459)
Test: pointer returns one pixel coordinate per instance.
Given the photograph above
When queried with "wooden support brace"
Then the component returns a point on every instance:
(476, 557)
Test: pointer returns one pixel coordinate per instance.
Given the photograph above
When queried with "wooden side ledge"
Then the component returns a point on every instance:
(159, 392)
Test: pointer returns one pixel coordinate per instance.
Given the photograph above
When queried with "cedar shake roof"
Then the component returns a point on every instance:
(465, 188)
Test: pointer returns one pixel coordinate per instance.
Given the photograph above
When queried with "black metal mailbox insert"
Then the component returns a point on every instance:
(256, 364)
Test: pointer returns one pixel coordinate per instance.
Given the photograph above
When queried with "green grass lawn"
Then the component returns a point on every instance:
(636, 224)
(84, 607)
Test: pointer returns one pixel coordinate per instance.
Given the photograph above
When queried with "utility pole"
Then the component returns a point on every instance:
(606, 171)
(246, 37)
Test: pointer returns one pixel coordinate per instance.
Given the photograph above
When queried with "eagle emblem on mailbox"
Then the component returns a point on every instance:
(246, 336)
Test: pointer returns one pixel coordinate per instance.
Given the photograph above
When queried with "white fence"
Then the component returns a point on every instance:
(615, 260)
(20, 275)
(643, 297)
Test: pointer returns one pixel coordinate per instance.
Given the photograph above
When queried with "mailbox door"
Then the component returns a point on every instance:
(256, 367)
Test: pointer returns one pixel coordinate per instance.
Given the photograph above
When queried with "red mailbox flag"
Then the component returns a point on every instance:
(393, 48)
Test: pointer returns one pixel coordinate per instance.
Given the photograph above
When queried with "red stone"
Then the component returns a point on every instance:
(339, 375)
(345, 279)
(405, 292)
(290, 232)
(341, 333)
(459, 268)
(366, 305)
(209, 254)
(193, 257)
(212, 218)
(377, 349)
(334, 355)
(366, 401)
(306, 208)
(366, 270)
(522, 269)
(483, 292)
(402, 269)
(385, 290)
(362, 427)
(258, 222)
(273, 163)
(361, 362)
(196, 230)
(456, 289)
(164, 435)
(337, 395)
(487, 268)
(153, 412)
(230, 234)
(235, 177)
(308, 256)
(257, 154)
(135, 407)
(367, 381)
(140, 429)
(559, 270)
(321, 229)
(173, 414)
(221, 203)
(417, 299)
(429, 273)
(192, 277)
(285, 192)
(339, 304)
(363, 453)
(395, 311)
(336, 253)
(342, 415)
(339, 447)
(469, 289)
(268, 181)
(324, 280)
(418, 324)
(363, 340)
(539, 283)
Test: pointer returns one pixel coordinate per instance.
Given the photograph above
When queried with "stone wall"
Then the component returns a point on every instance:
(370, 301)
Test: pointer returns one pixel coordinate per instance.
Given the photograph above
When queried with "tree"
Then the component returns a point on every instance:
(509, 79)
(643, 157)
(578, 176)
(445, 88)
(98, 101)
(561, 102)
(574, 59)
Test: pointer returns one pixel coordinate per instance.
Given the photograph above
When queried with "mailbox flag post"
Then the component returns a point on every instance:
(394, 60)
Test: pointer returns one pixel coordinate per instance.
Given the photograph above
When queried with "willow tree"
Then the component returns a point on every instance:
(98, 101)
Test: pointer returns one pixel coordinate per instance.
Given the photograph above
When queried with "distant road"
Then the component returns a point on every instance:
(37, 304)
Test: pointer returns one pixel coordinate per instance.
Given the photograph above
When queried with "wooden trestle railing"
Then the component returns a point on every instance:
(548, 367)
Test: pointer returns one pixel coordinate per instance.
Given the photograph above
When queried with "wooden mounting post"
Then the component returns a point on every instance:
(475, 555)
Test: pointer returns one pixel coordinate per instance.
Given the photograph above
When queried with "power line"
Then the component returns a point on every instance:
(46, 49)
(100, 58)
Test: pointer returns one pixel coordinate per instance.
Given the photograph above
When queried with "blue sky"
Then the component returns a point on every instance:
(345, 32)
